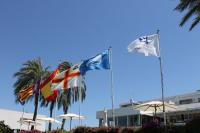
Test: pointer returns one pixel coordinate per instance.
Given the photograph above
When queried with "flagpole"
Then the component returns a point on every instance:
(161, 75)
(55, 112)
(22, 118)
(79, 109)
(112, 88)
(56, 101)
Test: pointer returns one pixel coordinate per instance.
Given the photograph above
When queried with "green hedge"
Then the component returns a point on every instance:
(5, 128)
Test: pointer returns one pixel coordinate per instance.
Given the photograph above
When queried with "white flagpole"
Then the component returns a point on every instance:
(55, 112)
(161, 75)
(22, 119)
(79, 109)
(112, 88)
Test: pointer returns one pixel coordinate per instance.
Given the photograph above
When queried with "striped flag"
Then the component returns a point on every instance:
(24, 94)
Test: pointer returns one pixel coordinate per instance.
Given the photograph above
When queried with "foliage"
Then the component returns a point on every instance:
(193, 126)
(32, 131)
(151, 127)
(127, 130)
(58, 131)
(106, 130)
(4, 128)
(82, 129)
(193, 9)
(31, 73)
(103, 130)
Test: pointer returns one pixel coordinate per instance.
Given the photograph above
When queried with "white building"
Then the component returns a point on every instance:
(12, 119)
(188, 106)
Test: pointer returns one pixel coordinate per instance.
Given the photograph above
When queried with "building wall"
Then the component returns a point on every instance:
(188, 98)
(11, 118)
(185, 103)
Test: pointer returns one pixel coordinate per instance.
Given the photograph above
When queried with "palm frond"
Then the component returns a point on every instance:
(65, 65)
(195, 22)
(193, 9)
(29, 74)
(184, 4)
(188, 15)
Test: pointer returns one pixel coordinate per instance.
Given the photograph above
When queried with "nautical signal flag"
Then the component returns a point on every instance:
(24, 94)
(100, 61)
(45, 86)
(68, 79)
(147, 45)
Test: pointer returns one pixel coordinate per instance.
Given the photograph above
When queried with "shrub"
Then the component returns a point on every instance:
(82, 130)
(114, 130)
(151, 127)
(193, 126)
(127, 130)
(59, 131)
(31, 131)
(106, 130)
(175, 129)
(4, 128)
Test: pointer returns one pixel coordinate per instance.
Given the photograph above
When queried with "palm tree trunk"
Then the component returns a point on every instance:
(51, 115)
(50, 123)
(36, 103)
(63, 121)
(63, 124)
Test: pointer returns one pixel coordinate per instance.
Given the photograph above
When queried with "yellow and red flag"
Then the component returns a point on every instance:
(45, 86)
(53, 96)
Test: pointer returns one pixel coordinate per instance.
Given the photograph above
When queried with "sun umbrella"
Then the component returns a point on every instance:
(155, 106)
(48, 119)
(71, 117)
(28, 122)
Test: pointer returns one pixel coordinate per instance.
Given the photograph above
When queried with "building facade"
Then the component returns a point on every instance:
(187, 107)
(12, 119)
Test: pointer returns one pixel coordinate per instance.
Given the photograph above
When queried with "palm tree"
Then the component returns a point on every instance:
(193, 7)
(44, 103)
(31, 73)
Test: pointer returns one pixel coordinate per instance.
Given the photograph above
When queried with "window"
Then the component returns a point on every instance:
(199, 100)
(185, 101)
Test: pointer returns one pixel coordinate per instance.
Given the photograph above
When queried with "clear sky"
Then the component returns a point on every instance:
(74, 30)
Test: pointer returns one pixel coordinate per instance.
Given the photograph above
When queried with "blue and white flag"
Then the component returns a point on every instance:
(100, 61)
(147, 45)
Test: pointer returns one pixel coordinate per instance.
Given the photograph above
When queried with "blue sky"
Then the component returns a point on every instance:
(77, 30)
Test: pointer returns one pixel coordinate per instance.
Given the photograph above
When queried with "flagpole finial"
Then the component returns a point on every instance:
(158, 31)
(59, 61)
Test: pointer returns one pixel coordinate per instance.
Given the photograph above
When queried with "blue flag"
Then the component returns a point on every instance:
(100, 61)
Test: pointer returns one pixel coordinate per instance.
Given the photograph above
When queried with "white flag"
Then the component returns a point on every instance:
(147, 45)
